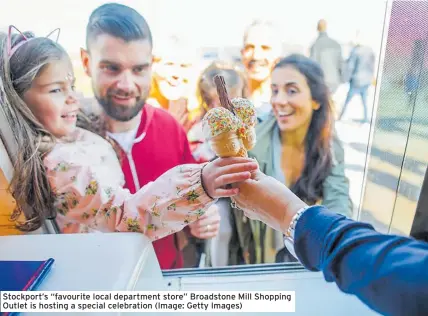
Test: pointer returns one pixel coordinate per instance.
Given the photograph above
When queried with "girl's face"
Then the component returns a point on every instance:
(52, 98)
(291, 99)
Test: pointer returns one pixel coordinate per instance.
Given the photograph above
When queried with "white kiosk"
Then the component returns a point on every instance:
(127, 262)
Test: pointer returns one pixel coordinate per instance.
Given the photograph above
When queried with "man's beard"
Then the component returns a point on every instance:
(119, 112)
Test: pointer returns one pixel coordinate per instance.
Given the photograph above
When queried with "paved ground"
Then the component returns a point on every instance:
(393, 183)
(352, 132)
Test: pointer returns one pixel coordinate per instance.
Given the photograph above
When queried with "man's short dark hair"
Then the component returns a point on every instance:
(119, 21)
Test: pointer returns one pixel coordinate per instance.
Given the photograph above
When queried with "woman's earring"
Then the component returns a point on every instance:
(315, 105)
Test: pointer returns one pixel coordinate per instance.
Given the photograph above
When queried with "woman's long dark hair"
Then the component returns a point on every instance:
(318, 142)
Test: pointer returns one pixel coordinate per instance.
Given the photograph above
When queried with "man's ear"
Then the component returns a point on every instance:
(84, 56)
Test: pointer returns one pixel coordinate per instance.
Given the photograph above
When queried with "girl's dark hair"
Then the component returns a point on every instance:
(318, 143)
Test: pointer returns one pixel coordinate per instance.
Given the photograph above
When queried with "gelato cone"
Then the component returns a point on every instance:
(231, 135)
(242, 153)
(218, 121)
(226, 144)
(249, 139)
(246, 111)
(220, 129)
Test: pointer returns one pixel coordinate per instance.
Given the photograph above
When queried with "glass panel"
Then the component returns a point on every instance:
(210, 40)
(397, 156)
(416, 155)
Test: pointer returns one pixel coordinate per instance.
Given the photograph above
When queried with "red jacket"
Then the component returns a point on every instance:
(160, 144)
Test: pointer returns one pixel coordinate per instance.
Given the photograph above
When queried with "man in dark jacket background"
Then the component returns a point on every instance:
(328, 53)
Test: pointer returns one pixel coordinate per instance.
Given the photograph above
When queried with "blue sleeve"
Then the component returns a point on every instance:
(388, 273)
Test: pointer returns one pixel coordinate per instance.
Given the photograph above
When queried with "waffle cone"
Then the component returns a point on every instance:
(249, 140)
(226, 144)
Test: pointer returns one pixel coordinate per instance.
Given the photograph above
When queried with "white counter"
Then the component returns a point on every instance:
(89, 262)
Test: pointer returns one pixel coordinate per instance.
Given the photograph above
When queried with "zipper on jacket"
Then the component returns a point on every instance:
(133, 171)
(132, 163)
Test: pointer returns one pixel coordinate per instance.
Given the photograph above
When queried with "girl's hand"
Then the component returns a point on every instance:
(221, 172)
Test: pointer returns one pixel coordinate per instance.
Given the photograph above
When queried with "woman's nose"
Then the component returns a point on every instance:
(280, 99)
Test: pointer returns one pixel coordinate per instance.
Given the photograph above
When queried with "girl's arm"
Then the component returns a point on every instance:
(88, 183)
(85, 195)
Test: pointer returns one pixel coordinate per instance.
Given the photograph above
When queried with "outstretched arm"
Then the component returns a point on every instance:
(388, 273)
(90, 196)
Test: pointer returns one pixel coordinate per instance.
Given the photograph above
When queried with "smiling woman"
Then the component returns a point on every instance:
(297, 145)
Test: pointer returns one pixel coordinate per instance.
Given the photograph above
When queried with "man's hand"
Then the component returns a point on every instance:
(268, 200)
(208, 225)
(224, 171)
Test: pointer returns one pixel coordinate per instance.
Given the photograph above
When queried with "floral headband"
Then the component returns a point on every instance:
(11, 51)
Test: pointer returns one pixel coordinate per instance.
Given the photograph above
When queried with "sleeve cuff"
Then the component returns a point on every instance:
(311, 231)
(198, 187)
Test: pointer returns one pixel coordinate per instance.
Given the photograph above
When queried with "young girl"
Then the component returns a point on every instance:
(62, 169)
(217, 248)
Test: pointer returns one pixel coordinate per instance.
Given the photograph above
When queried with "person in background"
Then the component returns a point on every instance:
(118, 59)
(297, 146)
(172, 84)
(220, 248)
(328, 53)
(386, 272)
(261, 49)
(360, 70)
(413, 74)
